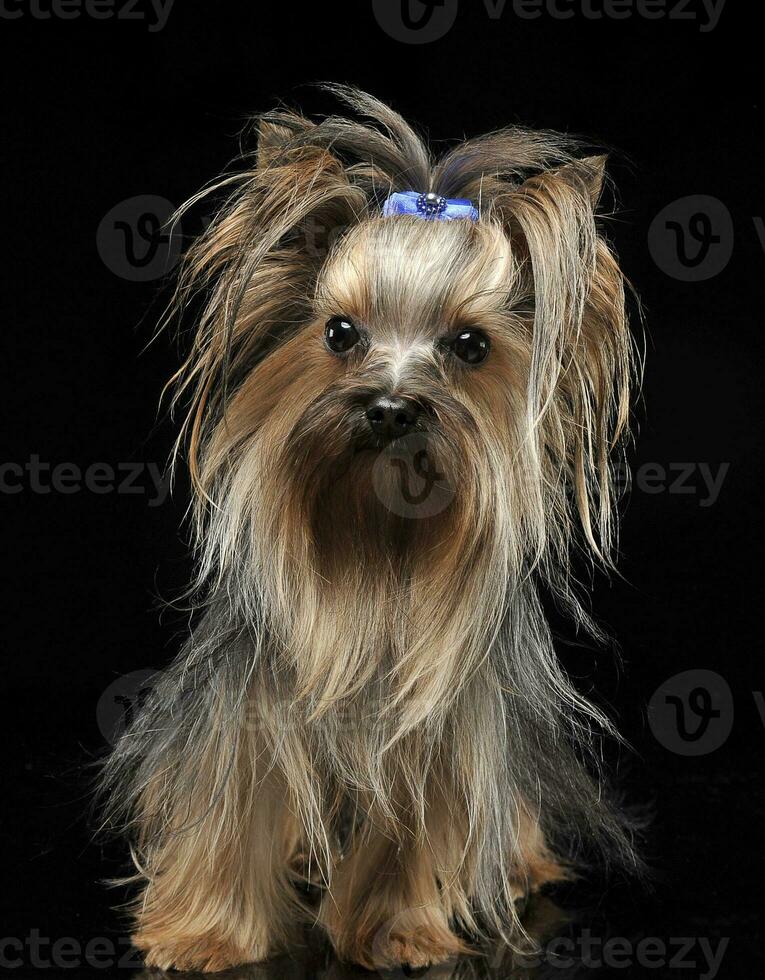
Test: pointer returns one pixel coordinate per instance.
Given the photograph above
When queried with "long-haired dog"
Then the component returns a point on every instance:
(397, 444)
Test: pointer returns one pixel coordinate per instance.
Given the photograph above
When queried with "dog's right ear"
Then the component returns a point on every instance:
(276, 131)
(272, 138)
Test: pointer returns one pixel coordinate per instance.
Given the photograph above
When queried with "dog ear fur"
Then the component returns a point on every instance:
(272, 139)
(586, 177)
(587, 174)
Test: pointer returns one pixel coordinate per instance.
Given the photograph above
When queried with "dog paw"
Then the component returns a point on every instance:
(409, 951)
(417, 947)
(204, 953)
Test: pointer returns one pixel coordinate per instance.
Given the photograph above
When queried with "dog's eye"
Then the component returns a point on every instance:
(471, 346)
(340, 334)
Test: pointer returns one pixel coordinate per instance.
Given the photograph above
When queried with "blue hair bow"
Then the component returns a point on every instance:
(430, 206)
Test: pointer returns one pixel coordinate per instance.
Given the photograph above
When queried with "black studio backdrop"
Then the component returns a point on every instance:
(111, 121)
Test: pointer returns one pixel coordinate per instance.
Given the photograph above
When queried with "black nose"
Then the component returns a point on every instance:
(391, 416)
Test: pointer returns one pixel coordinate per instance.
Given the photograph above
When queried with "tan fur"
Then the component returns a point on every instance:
(373, 702)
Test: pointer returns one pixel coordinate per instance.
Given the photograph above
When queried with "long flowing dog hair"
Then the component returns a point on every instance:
(358, 669)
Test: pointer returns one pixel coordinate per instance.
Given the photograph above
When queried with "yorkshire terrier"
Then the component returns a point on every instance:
(399, 440)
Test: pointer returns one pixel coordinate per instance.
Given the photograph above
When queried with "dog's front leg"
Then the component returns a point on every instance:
(218, 891)
(386, 906)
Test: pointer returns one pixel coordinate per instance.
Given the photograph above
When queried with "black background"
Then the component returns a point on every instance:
(97, 112)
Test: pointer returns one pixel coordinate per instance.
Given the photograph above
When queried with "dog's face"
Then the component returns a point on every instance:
(386, 436)
(401, 400)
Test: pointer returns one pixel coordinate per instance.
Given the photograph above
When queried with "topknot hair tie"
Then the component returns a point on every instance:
(430, 206)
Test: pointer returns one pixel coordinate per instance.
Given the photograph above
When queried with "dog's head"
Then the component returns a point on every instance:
(399, 405)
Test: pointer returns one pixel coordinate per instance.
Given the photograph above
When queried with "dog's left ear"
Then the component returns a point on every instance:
(551, 218)
(574, 184)
(581, 347)
(586, 175)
